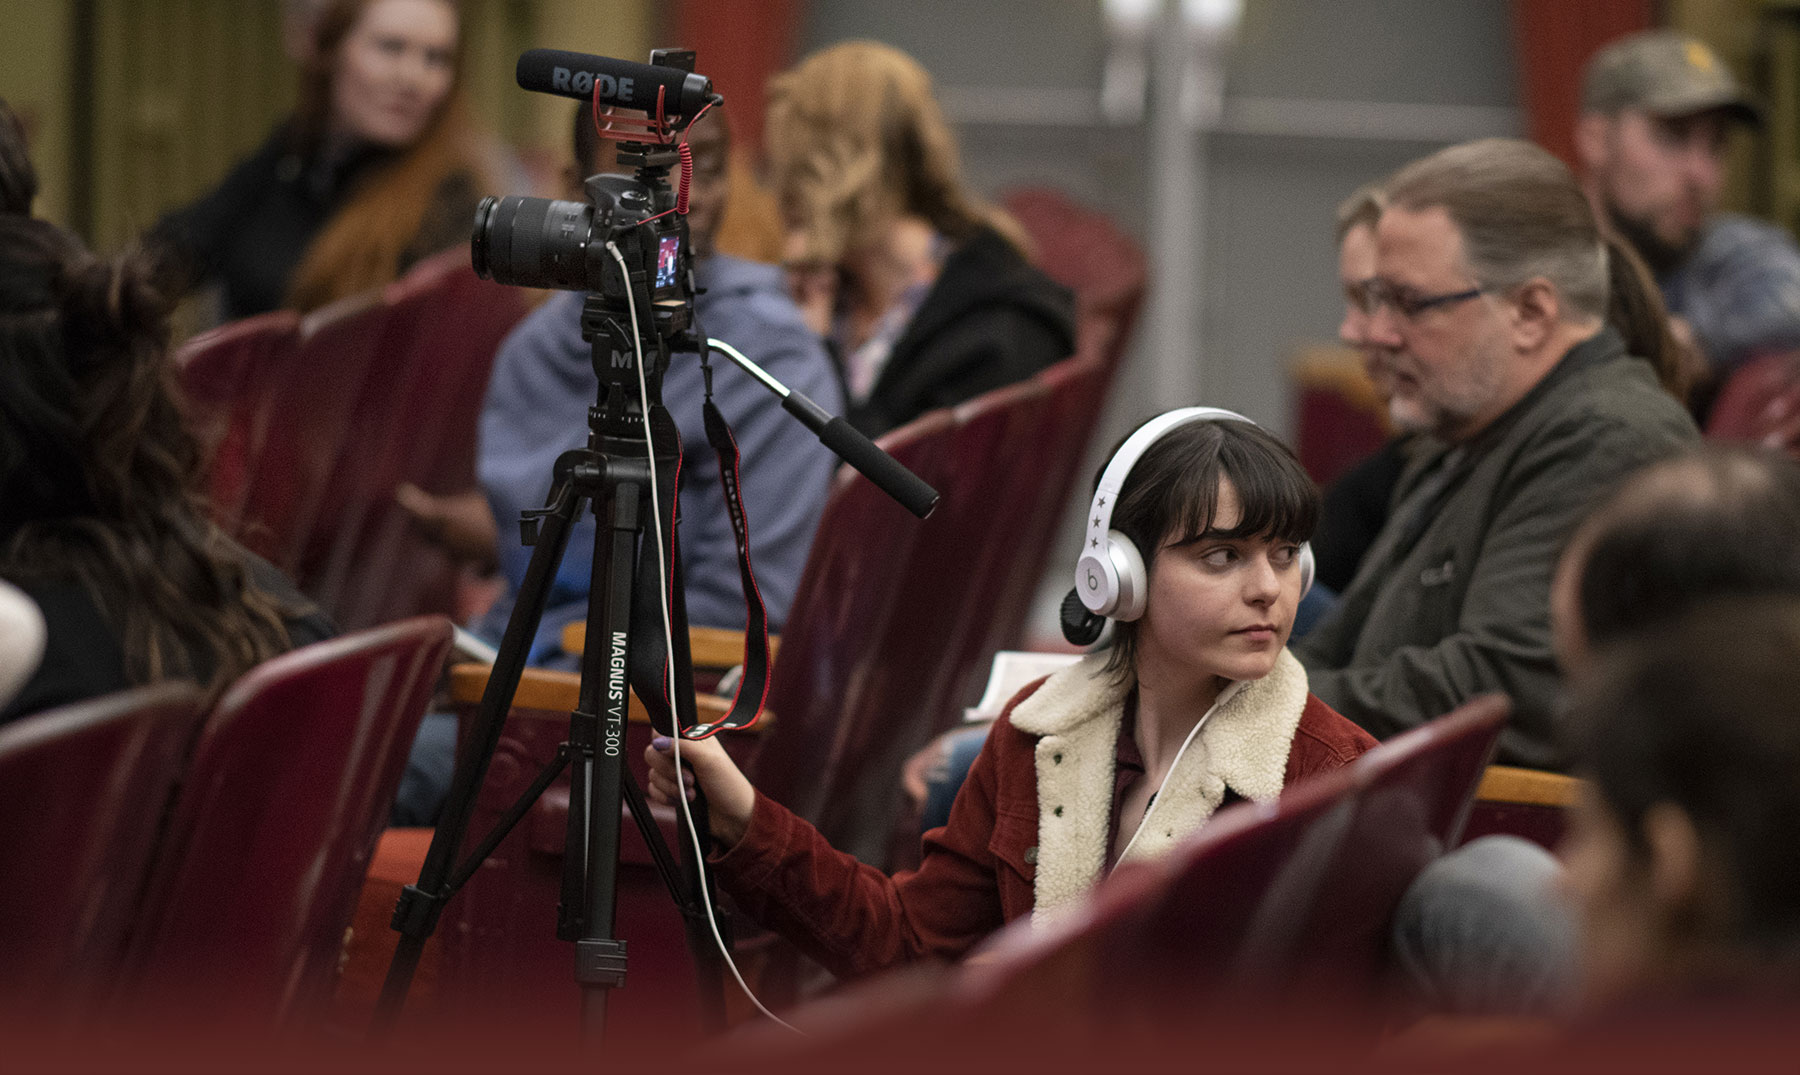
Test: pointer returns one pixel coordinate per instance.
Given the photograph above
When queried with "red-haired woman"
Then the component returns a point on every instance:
(379, 167)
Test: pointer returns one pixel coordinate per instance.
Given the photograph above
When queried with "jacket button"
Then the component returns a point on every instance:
(1031, 855)
(1057, 811)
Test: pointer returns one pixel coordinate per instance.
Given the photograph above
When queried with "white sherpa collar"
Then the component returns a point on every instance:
(1076, 716)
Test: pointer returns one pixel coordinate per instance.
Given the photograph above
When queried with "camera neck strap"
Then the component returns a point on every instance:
(649, 660)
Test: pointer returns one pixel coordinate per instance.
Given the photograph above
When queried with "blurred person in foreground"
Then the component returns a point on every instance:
(1484, 930)
(925, 293)
(1681, 894)
(380, 165)
(102, 524)
(1681, 857)
(1657, 111)
(1488, 312)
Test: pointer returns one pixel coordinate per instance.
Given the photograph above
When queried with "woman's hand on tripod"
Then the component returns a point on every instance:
(729, 795)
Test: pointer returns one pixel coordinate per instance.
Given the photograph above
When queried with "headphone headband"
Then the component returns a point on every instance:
(1112, 479)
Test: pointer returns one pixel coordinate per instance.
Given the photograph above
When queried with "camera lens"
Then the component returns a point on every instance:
(533, 242)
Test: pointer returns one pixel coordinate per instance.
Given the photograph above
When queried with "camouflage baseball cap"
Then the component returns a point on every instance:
(1663, 73)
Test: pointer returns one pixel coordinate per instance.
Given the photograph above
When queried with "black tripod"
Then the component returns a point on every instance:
(632, 323)
(613, 474)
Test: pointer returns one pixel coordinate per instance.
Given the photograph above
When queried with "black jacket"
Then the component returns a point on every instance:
(990, 319)
(1354, 509)
(1453, 600)
(84, 656)
(251, 231)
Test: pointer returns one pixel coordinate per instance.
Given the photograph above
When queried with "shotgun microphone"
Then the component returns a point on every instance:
(621, 82)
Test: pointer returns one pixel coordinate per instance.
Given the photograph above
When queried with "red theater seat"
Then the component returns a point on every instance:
(82, 789)
(315, 423)
(1264, 904)
(1760, 403)
(1413, 801)
(1528, 803)
(271, 835)
(846, 612)
(240, 361)
(1230, 896)
(1085, 251)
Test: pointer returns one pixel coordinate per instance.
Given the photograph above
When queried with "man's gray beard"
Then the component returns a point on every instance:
(1661, 256)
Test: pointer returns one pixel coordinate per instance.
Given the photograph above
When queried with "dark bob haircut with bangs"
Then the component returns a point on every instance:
(1172, 495)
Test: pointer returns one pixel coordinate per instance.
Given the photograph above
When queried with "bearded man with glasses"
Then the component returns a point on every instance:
(1487, 324)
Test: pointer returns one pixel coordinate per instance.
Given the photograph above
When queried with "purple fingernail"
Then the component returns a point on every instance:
(661, 744)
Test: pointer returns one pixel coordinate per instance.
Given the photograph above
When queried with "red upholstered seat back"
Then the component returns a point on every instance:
(844, 614)
(965, 566)
(1230, 900)
(1760, 402)
(82, 789)
(1087, 253)
(1078, 388)
(1415, 791)
(1264, 900)
(274, 827)
(240, 361)
(316, 425)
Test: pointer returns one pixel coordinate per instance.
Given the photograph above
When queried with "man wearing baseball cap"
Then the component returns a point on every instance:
(1657, 110)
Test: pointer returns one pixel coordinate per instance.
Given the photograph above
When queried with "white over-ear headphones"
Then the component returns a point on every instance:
(1111, 580)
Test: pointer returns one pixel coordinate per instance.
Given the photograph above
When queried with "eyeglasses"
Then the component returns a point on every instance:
(1372, 294)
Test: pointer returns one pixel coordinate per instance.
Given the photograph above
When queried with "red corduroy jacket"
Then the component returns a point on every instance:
(982, 869)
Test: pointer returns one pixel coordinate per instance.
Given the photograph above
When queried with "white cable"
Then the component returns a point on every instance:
(662, 591)
(1144, 822)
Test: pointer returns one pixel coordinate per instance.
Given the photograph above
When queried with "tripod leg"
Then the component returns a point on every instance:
(416, 914)
(600, 721)
(709, 964)
(691, 892)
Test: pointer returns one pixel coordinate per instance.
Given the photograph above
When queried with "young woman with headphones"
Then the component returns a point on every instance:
(1195, 549)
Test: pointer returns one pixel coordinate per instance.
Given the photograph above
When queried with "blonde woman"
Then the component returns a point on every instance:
(925, 292)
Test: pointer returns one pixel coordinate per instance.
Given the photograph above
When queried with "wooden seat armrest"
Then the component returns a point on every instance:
(1534, 787)
(710, 647)
(543, 688)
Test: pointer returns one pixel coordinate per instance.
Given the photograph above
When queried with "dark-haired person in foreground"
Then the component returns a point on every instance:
(1483, 930)
(1087, 768)
(1681, 856)
(1720, 521)
(101, 521)
(1489, 310)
